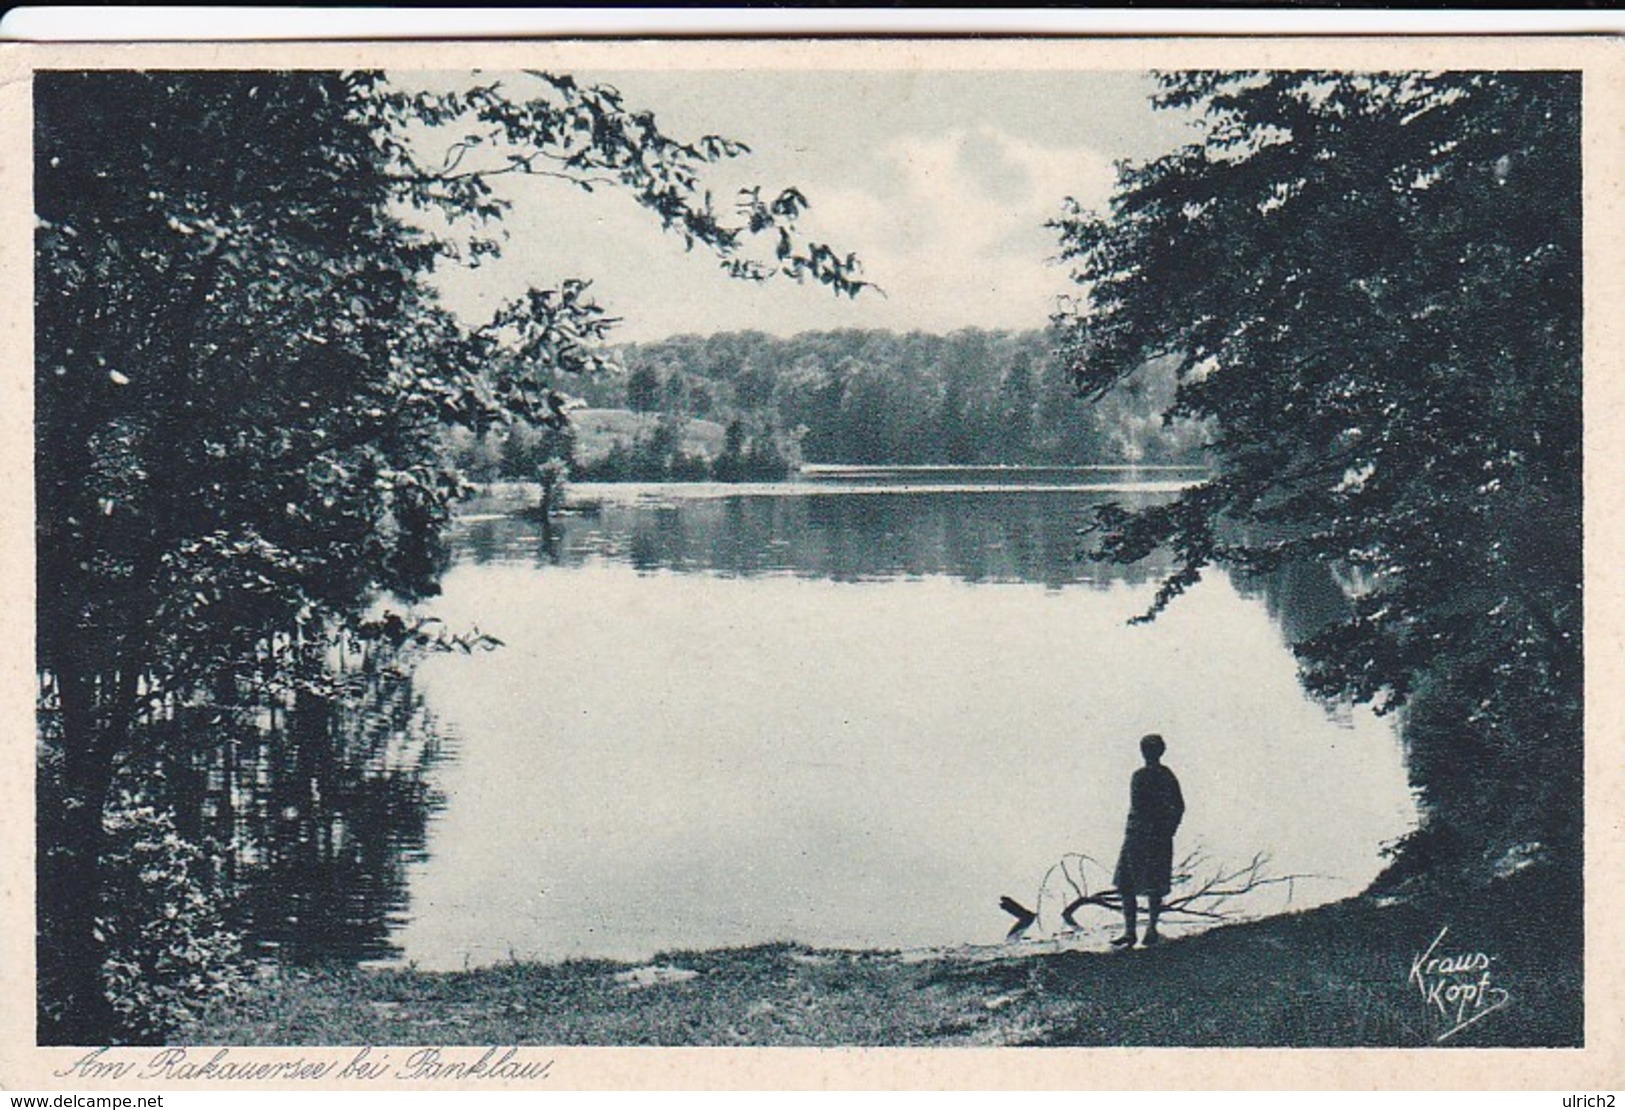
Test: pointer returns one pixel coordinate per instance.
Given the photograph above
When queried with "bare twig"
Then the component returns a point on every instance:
(1205, 899)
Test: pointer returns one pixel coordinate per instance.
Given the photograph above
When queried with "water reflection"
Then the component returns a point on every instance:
(828, 717)
(1302, 599)
(992, 535)
(316, 805)
(849, 718)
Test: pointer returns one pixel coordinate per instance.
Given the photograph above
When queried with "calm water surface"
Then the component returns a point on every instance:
(852, 713)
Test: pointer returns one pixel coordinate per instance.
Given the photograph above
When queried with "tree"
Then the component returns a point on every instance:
(764, 462)
(241, 376)
(729, 465)
(1016, 415)
(644, 389)
(1370, 284)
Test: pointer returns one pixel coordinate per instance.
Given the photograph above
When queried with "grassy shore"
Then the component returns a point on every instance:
(1335, 976)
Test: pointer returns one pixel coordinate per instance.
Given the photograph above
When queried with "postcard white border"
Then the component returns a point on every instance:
(1601, 1062)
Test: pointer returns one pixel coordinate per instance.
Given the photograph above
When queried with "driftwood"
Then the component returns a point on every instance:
(1189, 897)
(1024, 917)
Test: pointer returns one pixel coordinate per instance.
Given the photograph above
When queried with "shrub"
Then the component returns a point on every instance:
(169, 949)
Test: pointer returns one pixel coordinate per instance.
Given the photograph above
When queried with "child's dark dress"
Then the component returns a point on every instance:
(1146, 863)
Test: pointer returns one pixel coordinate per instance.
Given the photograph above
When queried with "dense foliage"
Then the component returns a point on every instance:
(861, 396)
(873, 396)
(241, 375)
(170, 952)
(661, 456)
(1371, 286)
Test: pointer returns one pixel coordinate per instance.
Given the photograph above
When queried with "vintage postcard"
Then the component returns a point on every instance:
(1028, 563)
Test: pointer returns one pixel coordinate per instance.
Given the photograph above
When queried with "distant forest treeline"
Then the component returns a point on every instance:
(849, 396)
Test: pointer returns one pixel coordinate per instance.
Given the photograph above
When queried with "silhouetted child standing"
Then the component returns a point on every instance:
(1146, 863)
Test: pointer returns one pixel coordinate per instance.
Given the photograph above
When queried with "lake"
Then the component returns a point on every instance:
(854, 711)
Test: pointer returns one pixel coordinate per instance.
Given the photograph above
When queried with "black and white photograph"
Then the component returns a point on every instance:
(822, 544)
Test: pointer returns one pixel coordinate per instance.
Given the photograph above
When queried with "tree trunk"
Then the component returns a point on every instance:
(73, 1003)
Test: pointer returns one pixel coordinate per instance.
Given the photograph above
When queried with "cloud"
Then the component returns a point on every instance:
(952, 225)
(949, 223)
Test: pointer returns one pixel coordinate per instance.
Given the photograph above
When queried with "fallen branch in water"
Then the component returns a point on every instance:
(1198, 899)
(1024, 917)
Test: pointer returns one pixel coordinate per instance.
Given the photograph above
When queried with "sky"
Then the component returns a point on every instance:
(940, 182)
